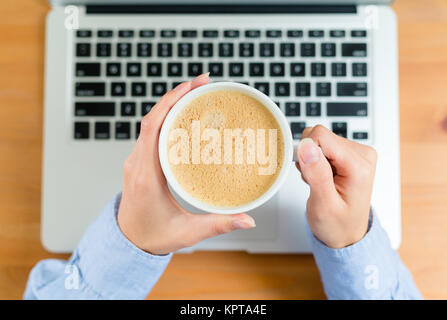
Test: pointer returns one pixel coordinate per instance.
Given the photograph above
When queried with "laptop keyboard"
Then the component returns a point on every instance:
(314, 76)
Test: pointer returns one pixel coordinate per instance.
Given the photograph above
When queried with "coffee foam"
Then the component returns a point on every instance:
(226, 185)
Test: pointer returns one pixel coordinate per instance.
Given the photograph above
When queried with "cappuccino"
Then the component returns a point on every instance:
(226, 148)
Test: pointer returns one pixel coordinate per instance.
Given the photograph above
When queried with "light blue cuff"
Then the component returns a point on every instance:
(368, 269)
(111, 265)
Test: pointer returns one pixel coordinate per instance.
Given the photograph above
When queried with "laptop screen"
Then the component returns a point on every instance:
(229, 2)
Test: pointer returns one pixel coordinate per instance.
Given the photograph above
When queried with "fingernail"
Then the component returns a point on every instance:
(308, 151)
(182, 86)
(245, 223)
(203, 75)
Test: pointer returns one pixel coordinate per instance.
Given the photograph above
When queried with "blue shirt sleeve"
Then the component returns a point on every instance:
(368, 269)
(105, 265)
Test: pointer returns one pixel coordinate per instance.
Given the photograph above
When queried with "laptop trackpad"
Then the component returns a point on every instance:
(266, 218)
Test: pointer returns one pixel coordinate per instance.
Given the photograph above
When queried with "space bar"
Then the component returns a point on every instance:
(358, 109)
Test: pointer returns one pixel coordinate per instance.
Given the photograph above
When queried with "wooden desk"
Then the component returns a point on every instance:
(215, 275)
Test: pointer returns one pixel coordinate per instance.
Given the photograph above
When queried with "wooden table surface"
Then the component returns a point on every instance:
(233, 275)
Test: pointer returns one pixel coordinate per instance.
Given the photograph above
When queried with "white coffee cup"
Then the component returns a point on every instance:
(289, 154)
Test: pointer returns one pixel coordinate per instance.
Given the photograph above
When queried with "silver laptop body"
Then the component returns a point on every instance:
(107, 62)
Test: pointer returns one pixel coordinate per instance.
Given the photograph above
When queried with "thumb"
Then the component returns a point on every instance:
(316, 170)
(204, 226)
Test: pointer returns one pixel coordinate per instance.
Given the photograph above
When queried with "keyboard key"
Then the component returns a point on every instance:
(124, 49)
(159, 89)
(195, 69)
(90, 89)
(84, 33)
(113, 69)
(297, 69)
(352, 89)
(125, 33)
(297, 129)
(323, 89)
(294, 33)
(277, 69)
(256, 69)
(118, 89)
(81, 130)
(361, 135)
(252, 33)
(236, 69)
(358, 33)
(94, 109)
(226, 49)
(359, 109)
(189, 33)
(134, 69)
(302, 89)
(154, 69)
(231, 33)
(122, 130)
(340, 129)
(83, 50)
(168, 33)
(328, 49)
(316, 34)
(91, 69)
(102, 130)
(210, 33)
(338, 69)
(144, 49)
(175, 69)
(273, 34)
(164, 49)
(354, 50)
(292, 109)
(128, 109)
(103, 49)
(337, 33)
(282, 89)
(308, 49)
(266, 49)
(246, 49)
(313, 109)
(359, 69)
(264, 87)
(215, 69)
(147, 33)
(146, 107)
(184, 49)
(105, 33)
(287, 49)
(318, 69)
(138, 89)
(205, 49)
(137, 129)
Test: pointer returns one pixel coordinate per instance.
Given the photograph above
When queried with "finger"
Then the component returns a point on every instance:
(199, 227)
(316, 170)
(306, 132)
(335, 148)
(152, 122)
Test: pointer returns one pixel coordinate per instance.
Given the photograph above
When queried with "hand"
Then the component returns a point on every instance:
(149, 216)
(340, 174)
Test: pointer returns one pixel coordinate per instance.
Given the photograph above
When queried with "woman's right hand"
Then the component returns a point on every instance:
(340, 174)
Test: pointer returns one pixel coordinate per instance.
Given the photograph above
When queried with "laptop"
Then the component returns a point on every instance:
(108, 62)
